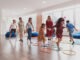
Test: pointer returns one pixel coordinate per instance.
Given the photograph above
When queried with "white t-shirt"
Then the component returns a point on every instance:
(28, 25)
(13, 26)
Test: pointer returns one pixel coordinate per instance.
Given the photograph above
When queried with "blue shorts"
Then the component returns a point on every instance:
(70, 33)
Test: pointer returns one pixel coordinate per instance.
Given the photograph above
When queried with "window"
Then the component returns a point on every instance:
(56, 15)
(77, 19)
(68, 14)
(33, 16)
(45, 15)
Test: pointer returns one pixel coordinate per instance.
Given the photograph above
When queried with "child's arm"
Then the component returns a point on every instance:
(26, 27)
(75, 28)
(10, 27)
(16, 28)
(33, 27)
(64, 27)
(67, 29)
(54, 26)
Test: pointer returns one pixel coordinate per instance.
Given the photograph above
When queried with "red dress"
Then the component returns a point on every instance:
(59, 31)
(49, 26)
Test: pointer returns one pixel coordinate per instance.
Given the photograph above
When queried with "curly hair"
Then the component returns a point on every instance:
(58, 23)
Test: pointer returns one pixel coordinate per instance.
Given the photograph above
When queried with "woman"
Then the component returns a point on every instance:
(49, 29)
(21, 28)
(29, 28)
(13, 27)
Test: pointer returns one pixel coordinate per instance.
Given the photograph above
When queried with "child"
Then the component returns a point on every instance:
(21, 28)
(13, 27)
(59, 31)
(29, 28)
(70, 28)
(41, 36)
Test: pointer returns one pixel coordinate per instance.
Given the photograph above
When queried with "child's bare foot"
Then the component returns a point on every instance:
(73, 43)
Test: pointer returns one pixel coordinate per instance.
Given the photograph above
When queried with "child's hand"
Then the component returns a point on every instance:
(25, 31)
(67, 30)
(76, 30)
(33, 29)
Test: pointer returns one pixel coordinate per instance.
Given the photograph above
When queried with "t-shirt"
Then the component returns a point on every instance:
(70, 27)
(29, 25)
(21, 25)
(13, 26)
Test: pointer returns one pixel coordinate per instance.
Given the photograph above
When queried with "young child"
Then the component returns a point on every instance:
(21, 29)
(29, 28)
(13, 27)
(59, 30)
(70, 28)
(41, 36)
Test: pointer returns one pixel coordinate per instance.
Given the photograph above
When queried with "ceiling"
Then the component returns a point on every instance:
(26, 6)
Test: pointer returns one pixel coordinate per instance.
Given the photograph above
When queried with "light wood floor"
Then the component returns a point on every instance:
(12, 49)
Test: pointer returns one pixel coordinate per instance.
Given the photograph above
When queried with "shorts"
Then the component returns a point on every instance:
(13, 30)
(70, 34)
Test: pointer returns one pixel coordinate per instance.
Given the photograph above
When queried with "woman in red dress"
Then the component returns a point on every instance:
(59, 30)
(49, 28)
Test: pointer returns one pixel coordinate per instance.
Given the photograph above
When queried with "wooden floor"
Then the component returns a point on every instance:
(12, 49)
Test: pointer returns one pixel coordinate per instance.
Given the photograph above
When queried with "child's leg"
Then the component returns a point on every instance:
(58, 43)
(29, 34)
(49, 40)
(39, 43)
(21, 37)
(71, 38)
(70, 35)
(11, 33)
(43, 40)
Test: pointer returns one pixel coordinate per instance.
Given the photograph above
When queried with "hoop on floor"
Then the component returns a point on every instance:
(70, 51)
(35, 44)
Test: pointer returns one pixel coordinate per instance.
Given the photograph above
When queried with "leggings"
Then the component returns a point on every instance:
(29, 33)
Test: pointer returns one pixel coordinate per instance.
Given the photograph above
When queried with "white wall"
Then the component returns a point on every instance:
(6, 20)
(0, 20)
